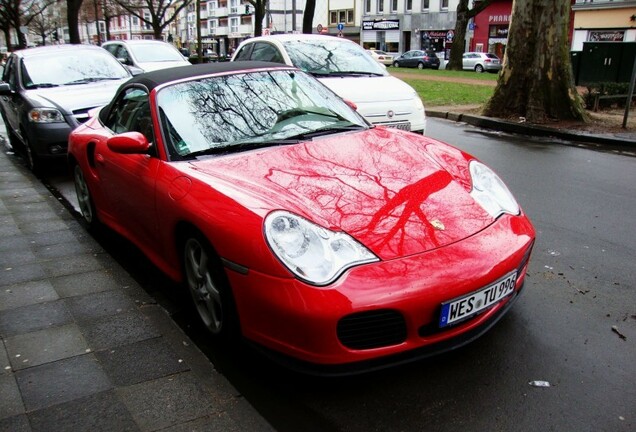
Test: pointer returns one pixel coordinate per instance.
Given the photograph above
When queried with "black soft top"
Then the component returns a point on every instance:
(153, 79)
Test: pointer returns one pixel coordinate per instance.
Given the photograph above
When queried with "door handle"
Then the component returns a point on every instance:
(99, 158)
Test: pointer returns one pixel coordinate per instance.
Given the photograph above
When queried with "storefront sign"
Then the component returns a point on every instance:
(381, 25)
(498, 19)
(607, 36)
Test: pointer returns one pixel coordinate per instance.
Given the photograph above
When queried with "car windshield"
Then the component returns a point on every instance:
(70, 68)
(332, 57)
(155, 53)
(233, 113)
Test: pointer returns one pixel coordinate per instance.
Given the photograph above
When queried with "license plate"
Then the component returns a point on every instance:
(403, 126)
(472, 304)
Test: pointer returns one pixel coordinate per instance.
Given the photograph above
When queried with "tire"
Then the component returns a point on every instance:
(13, 140)
(85, 199)
(420, 66)
(396, 64)
(479, 68)
(206, 281)
(31, 158)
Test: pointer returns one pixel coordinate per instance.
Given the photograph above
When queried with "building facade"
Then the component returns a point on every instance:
(490, 28)
(603, 21)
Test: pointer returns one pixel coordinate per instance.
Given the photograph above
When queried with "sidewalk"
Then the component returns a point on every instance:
(84, 348)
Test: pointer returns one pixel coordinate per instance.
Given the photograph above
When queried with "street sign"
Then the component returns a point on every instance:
(340, 26)
(319, 28)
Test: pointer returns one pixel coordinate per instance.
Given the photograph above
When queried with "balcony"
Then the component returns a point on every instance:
(219, 12)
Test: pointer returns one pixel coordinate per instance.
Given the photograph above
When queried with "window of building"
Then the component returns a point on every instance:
(409, 5)
(350, 18)
(367, 6)
(344, 16)
(444, 4)
(135, 21)
(394, 5)
(212, 5)
(380, 6)
(426, 4)
(234, 25)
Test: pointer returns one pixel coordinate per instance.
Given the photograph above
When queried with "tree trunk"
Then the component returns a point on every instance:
(536, 81)
(308, 16)
(72, 18)
(459, 40)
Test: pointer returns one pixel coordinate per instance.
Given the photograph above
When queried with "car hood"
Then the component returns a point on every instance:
(153, 66)
(76, 97)
(390, 190)
(356, 89)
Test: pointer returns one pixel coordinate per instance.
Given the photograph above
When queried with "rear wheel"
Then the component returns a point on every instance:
(210, 291)
(479, 68)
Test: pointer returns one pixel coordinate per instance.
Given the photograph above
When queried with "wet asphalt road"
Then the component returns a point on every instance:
(574, 326)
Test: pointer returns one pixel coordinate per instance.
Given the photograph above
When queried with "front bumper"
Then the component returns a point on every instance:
(305, 322)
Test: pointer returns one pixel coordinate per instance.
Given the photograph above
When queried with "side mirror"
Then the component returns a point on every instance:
(134, 70)
(5, 89)
(352, 105)
(128, 143)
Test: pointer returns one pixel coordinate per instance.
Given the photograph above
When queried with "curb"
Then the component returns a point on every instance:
(534, 130)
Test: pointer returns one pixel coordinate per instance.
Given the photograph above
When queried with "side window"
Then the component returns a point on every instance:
(131, 113)
(112, 48)
(9, 75)
(122, 53)
(266, 52)
(244, 53)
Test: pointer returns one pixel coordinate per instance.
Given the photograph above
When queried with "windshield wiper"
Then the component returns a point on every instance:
(90, 80)
(41, 85)
(344, 73)
(236, 147)
(327, 131)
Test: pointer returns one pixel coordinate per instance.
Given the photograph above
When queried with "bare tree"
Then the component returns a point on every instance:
(536, 81)
(43, 25)
(162, 12)
(17, 14)
(464, 14)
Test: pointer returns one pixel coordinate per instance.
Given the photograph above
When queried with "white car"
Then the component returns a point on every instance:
(381, 57)
(147, 55)
(347, 69)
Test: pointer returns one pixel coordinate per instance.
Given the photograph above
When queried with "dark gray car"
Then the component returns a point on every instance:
(417, 58)
(46, 92)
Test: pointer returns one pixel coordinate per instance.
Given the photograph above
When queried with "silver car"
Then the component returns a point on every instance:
(147, 55)
(481, 62)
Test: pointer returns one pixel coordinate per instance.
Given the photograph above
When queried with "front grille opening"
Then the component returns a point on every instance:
(81, 115)
(372, 329)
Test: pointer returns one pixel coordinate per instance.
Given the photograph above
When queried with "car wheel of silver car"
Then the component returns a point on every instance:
(208, 287)
(479, 68)
(87, 208)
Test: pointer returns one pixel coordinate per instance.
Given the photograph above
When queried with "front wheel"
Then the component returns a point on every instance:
(396, 64)
(32, 159)
(208, 287)
(420, 66)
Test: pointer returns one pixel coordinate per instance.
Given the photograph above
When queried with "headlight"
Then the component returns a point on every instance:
(45, 115)
(490, 192)
(313, 253)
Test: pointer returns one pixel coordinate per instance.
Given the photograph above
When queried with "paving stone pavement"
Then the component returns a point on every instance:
(83, 347)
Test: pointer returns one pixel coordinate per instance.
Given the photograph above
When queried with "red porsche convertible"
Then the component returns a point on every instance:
(295, 223)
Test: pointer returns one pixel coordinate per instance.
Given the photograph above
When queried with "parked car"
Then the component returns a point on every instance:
(46, 92)
(381, 57)
(480, 62)
(295, 223)
(344, 67)
(147, 55)
(417, 58)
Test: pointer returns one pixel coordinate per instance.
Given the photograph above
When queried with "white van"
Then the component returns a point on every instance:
(347, 69)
